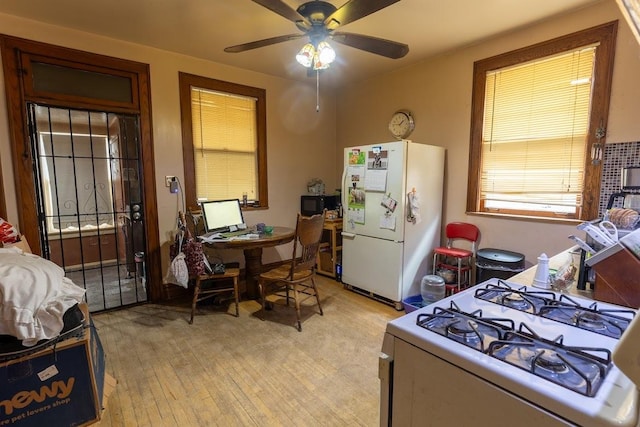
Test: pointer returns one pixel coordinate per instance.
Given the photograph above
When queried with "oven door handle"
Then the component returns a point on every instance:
(385, 374)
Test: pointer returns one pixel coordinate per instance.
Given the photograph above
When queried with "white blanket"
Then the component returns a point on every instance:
(34, 295)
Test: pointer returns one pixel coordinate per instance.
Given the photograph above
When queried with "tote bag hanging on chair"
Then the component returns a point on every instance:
(178, 273)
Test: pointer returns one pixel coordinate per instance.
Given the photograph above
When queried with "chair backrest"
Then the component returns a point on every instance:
(307, 236)
(195, 221)
(462, 231)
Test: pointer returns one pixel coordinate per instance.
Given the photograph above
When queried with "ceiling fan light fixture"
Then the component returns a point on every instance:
(306, 55)
(325, 53)
(319, 58)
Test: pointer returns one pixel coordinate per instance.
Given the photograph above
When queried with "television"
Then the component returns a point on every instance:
(222, 215)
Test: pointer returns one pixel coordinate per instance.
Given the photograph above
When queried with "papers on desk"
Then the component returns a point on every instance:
(218, 237)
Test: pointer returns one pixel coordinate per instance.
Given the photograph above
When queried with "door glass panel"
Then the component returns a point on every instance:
(88, 171)
(86, 84)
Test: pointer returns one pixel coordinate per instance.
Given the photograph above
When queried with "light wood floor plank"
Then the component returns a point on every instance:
(228, 371)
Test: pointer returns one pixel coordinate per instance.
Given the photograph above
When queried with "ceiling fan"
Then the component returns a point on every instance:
(318, 20)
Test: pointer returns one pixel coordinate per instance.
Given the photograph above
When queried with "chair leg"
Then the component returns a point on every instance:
(196, 292)
(261, 287)
(315, 289)
(296, 297)
(459, 274)
(235, 294)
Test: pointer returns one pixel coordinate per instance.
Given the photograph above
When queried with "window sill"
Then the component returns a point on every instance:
(527, 218)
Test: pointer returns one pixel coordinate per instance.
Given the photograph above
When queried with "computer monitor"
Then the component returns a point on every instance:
(222, 215)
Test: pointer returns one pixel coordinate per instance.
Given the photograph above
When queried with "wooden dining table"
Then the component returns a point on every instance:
(252, 249)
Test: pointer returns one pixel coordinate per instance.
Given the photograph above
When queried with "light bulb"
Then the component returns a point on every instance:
(325, 53)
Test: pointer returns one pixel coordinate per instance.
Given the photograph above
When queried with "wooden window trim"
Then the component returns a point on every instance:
(605, 35)
(186, 82)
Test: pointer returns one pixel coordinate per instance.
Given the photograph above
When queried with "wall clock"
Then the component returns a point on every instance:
(401, 124)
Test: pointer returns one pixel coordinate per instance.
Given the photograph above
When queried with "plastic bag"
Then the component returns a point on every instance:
(178, 273)
(565, 277)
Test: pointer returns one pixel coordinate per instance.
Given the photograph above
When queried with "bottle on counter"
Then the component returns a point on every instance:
(432, 288)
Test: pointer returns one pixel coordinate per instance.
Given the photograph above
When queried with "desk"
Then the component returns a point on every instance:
(252, 249)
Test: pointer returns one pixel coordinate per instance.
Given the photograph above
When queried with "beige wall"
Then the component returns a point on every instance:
(304, 144)
(438, 91)
(301, 141)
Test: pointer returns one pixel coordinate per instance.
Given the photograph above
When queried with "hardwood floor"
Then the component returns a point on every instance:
(228, 371)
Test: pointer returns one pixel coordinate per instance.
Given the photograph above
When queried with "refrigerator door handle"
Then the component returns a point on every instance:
(347, 234)
(342, 193)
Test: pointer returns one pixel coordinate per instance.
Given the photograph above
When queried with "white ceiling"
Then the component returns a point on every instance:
(203, 28)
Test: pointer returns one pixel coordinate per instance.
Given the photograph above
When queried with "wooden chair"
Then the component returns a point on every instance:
(201, 293)
(205, 284)
(451, 258)
(297, 275)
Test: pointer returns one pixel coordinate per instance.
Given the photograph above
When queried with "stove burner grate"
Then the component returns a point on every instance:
(576, 368)
(611, 323)
(470, 329)
(518, 299)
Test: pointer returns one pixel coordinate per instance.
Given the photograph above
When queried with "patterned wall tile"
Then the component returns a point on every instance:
(616, 157)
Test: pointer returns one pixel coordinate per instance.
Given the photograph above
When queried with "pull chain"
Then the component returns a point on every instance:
(317, 91)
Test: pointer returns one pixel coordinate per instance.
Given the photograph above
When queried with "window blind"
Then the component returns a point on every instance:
(225, 145)
(534, 133)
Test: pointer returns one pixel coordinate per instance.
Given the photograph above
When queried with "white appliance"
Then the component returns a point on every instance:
(392, 209)
(502, 354)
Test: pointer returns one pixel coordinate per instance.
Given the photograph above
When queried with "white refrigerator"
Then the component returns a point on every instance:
(392, 210)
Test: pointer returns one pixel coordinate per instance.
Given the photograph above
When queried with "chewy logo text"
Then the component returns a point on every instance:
(22, 399)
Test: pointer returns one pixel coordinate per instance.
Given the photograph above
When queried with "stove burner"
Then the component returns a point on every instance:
(465, 329)
(519, 299)
(470, 329)
(608, 322)
(550, 360)
(591, 321)
(580, 369)
(516, 301)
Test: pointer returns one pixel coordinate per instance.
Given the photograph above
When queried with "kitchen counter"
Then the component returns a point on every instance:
(555, 262)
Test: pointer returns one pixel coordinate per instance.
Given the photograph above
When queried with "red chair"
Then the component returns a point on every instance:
(457, 260)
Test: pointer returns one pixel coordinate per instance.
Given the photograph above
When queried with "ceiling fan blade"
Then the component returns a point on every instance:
(262, 43)
(283, 9)
(354, 10)
(388, 48)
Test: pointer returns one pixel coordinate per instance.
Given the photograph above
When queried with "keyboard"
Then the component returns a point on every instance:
(235, 233)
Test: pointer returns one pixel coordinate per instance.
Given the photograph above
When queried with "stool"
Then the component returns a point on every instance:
(200, 294)
(442, 255)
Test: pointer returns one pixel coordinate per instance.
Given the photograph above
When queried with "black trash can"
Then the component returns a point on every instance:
(497, 263)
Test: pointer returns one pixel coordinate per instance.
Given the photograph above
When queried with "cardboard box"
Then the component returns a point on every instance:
(59, 386)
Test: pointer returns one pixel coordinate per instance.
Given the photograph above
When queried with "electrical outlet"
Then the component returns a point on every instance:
(168, 180)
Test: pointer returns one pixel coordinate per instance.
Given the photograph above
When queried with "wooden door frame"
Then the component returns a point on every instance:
(14, 76)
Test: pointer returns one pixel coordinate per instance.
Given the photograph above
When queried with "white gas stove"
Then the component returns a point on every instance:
(507, 354)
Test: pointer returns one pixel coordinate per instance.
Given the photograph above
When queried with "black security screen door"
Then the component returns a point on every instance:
(87, 170)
